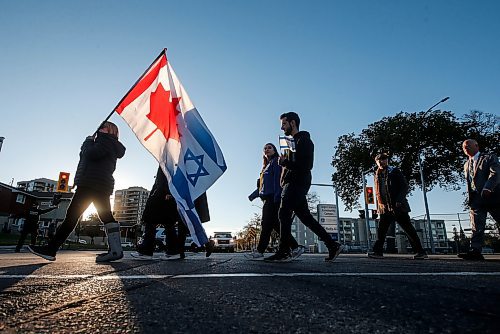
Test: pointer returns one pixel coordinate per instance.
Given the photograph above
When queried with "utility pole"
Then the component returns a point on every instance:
(431, 238)
(367, 219)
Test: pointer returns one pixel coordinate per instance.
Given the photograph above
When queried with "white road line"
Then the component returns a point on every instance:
(249, 275)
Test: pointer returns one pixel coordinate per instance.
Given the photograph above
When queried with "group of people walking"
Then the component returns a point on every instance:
(282, 186)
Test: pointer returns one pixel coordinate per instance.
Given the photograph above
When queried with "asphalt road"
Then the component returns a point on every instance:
(227, 293)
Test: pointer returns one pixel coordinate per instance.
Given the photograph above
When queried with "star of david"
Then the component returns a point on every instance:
(198, 161)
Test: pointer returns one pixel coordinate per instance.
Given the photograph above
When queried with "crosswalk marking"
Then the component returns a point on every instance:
(245, 275)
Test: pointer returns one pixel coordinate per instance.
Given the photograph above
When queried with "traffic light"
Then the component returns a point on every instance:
(374, 214)
(62, 184)
(362, 214)
(370, 198)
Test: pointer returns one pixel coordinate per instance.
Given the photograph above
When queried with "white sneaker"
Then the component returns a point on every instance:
(254, 255)
(140, 256)
(296, 252)
(168, 257)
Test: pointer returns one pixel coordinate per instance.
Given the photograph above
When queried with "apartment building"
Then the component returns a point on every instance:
(129, 204)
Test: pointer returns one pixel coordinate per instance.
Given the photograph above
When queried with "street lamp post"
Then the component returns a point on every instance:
(367, 220)
(431, 238)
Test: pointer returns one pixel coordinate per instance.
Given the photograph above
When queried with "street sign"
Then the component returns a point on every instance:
(327, 217)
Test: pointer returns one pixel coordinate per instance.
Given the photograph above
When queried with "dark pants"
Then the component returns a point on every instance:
(403, 219)
(81, 200)
(176, 237)
(269, 223)
(159, 211)
(28, 228)
(478, 213)
(293, 200)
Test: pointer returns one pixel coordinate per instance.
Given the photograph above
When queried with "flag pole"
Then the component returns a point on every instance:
(163, 52)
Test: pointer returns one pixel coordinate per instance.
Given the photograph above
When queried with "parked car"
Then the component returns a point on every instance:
(223, 241)
(189, 245)
(487, 250)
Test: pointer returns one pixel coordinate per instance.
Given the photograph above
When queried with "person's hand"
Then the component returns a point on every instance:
(486, 193)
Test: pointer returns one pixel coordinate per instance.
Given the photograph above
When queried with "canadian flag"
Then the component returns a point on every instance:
(160, 113)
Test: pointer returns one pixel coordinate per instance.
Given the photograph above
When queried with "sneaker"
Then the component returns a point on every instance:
(420, 256)
(279, 257)
(43, 251)
(334, 252)
(296, 252)
(141, 256)
(472, 255)
(375, 255)
(254, 255)
(170, 257)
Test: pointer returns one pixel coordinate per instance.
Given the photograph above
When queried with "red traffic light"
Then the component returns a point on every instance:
(370, 197)
(62, 183)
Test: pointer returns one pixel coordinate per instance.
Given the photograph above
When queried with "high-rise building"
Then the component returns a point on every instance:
(41, 185)
(129, 204)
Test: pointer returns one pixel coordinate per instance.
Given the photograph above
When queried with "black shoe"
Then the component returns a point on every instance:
(182, 255)
(279, 257)
(17, 250)
(420, 256)
(43, 251)
(375, 255)
(209, 248)
(472, 255)
(334, 251)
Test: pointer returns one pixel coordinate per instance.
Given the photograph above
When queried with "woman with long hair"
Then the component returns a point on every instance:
(269, 191)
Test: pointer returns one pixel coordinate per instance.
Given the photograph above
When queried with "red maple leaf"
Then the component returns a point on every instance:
(162, 113)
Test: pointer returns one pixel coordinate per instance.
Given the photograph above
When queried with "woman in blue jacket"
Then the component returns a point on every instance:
(269, 191)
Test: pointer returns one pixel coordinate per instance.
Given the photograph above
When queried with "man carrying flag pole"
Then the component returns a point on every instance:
(160, 113)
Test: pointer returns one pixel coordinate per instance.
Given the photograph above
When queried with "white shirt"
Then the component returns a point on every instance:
(475, 158)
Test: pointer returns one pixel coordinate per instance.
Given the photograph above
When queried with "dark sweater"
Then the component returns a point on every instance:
(298, 164)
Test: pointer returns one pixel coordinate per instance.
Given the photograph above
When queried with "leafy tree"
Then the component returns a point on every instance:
(91, 227)
(437, 136)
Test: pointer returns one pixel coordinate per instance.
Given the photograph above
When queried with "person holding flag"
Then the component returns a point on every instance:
(94, 181)
(160, 113)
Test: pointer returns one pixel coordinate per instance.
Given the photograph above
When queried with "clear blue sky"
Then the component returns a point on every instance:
(342, 65)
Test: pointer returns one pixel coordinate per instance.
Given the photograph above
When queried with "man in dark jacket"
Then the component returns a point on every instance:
(161, 209)
(391, 189)
(482, 172)
(296, 181)
(95, 183)
(31, 224)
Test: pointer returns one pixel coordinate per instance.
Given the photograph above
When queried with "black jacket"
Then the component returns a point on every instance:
(298, 164)
(397, 190)
(98, 162)
(159, 210)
